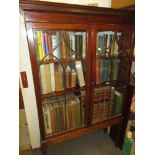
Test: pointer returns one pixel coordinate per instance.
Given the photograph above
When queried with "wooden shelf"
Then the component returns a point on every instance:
(65, 60)
(66, 91)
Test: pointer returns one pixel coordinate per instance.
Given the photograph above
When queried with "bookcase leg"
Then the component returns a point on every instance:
(43, 149)
(117, 134)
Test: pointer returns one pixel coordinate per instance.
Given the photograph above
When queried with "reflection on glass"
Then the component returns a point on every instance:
(108, 42)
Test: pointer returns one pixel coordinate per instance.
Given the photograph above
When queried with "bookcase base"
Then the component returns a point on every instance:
(68, 136)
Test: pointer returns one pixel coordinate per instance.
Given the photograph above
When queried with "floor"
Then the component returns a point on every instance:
(97, 143)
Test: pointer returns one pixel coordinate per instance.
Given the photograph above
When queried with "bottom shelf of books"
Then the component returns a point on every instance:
(107, 103)
(62, 113)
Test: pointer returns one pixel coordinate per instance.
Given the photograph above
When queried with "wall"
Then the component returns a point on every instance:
(101, 3)
(28, 93)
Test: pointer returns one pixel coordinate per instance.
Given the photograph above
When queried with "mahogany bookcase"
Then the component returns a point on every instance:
(90, 23)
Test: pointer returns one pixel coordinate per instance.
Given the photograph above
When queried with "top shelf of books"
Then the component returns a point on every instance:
(61, 45)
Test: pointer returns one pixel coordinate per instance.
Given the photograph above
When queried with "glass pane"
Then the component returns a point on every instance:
(113, 53)
(61, 58)
(63, 113)
(62, 72)
(60, 44)
(107, 103)
(108, 43)
(103, 70)
(100, 103)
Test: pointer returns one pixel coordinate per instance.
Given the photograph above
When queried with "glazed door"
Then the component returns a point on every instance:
(60, 56)
(111, 61)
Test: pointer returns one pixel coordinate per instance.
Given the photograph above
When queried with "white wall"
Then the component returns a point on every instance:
(28, 93)
(101, 3)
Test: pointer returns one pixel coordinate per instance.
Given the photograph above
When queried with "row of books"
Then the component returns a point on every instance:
(62, 114)
(108, 41)
(53, 78)
(105, 71)
(106, 104)
(61, 44)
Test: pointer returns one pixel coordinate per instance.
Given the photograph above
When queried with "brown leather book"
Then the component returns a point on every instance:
(63, 51)
(97, 71)
(59, 81)
(73, 79)
(52, 118)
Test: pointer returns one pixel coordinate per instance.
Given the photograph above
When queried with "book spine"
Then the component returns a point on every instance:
(52, 77)
(106, 70)
(48, 78)
(39, 43)
(63, 45)
(73, 79)
(59, 81)
(43, 43)
(47, 113)
(72, 44)
(68, 77)
(79, 71)
(98, 71)
(84, 44)
(46, 43)
(101, 70)
(55, 41)
(49, 40)
(52, 118)
(117, 102)
(43, 80)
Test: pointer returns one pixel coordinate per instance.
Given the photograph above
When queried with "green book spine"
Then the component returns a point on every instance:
(117, 102)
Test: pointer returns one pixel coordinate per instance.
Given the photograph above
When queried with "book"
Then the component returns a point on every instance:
(40, 44)
(68, 77)
(43, 79)
(101, 70)
(84, 44)
(52, 76)
(79, 72)
(78, 44)
(45, 39)
(98, 71)
(56, 44)
(52, 117)
(118, 98)
(77, 111)
(115, 69)
(106, 70)
(63, 40)
(59, 81)
(101, 100)
(48, 78)
(73, 78)
(49, 43)
(47, 118)
(72, 44)
(83, 101)
(100, 43)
